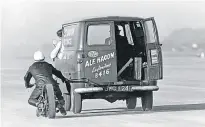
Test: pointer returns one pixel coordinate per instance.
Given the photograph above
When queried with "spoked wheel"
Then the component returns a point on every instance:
(40, 110)
(50, 106)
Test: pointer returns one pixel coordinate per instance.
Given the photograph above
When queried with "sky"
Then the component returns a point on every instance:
(36, 22)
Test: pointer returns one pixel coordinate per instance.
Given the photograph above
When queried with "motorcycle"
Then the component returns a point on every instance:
(49, 102)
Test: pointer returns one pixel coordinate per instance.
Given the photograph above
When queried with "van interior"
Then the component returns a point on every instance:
(130, 45)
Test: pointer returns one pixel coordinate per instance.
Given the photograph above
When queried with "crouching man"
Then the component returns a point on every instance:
(42, 72)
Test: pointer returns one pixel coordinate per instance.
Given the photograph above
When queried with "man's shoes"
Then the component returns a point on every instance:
(61, 108)
(62, 111)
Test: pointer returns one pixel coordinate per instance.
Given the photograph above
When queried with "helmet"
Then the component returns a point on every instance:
(38, 56)
(59, 33)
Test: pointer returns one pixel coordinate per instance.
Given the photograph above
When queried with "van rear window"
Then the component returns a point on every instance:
(99, 34)
(68, 35)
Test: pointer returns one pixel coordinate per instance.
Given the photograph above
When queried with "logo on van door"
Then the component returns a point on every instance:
(93, 54)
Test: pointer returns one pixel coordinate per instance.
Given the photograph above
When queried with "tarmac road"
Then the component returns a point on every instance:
(179, 102)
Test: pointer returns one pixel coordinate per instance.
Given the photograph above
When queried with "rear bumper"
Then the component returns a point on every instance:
(89, 90)
(101, 89)
(145, 88)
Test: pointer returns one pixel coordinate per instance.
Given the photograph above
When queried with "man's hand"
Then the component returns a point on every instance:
(63, 80)
(67, 81)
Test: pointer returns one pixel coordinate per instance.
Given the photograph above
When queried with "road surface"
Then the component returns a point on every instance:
(180, 101)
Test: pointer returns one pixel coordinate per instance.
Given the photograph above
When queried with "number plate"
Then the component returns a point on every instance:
(118, 88)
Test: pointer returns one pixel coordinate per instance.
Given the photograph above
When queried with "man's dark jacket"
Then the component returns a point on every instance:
(42, 73)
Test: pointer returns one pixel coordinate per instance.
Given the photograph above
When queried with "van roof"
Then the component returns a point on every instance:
(108, 18)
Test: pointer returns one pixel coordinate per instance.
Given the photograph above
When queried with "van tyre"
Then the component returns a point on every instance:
(131, 102)
(147, 101)
(77, 103)
(73, 95)
(67, 99)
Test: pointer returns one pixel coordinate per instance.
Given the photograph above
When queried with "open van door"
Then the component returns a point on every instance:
(154, 69)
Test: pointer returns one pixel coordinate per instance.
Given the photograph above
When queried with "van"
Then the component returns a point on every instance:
(112, 58)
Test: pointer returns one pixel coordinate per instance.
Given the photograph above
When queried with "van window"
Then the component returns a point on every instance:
(99, 34)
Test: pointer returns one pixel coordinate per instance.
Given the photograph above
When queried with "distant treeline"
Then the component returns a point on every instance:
(182, 39)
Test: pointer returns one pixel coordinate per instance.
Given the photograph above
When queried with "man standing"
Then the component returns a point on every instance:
(57, 51)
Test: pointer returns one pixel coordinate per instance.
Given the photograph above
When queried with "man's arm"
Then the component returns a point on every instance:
(56, 50)
(58, 74)
(27, 79)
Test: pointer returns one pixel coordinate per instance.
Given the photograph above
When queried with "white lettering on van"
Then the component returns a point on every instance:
(101, 67)
(69, 31)
(90, 63)
(99, 59)
(105, 57)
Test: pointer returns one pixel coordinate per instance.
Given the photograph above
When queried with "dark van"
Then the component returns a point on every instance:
(111, 58)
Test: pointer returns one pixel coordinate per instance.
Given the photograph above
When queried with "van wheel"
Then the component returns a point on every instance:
(147, 101)
(67, 99)
(131, 102)
(77, 103)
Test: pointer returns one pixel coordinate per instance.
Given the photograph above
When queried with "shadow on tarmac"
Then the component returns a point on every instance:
(138, 110)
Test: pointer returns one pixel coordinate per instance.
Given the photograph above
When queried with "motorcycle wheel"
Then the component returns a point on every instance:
(51, 107)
